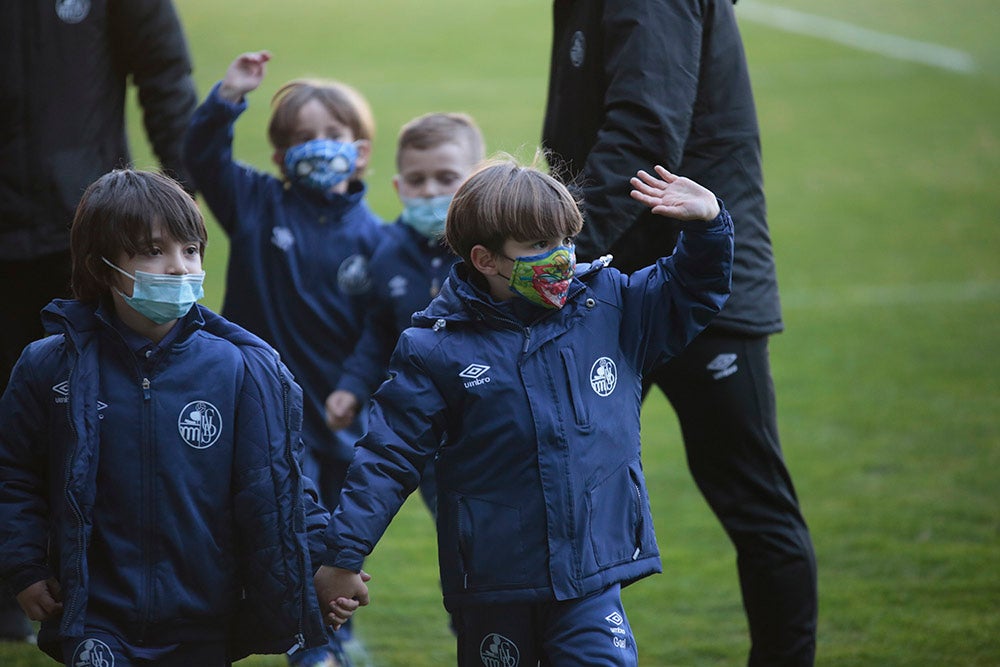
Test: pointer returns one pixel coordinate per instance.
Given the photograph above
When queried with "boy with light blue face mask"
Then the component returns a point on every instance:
(435, 153)
(300, 243)
(134, 513)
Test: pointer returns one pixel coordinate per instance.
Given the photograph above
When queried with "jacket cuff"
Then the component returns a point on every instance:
(356, 386)
(720, 224)
(24, 577)
(346, 559)
(223, 107)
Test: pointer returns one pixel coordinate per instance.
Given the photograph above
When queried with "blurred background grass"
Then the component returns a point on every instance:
(881, 179)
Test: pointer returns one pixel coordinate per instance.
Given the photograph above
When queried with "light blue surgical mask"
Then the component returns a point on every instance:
(161, 297)
(426, 214)
(320, 164)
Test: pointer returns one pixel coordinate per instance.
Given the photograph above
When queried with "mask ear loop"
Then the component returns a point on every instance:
(124, 273)
(119, 270)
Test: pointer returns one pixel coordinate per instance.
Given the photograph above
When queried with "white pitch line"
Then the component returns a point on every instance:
(915, 294)
(857, 37)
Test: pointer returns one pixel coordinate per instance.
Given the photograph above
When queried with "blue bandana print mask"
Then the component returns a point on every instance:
(426, 214)
(320, 164)
(161, 297)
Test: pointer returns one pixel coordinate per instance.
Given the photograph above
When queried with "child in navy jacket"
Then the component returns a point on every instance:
(152, 505)
(435, 153)
(300, 244)
(528, 368)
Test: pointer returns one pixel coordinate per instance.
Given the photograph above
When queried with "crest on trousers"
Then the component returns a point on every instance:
(498, 651)
(92, 653)
(72, 11)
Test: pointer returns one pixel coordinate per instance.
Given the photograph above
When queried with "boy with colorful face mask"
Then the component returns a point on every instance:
(434, 155)
(300, 244)
(528, 369)
(149, 450)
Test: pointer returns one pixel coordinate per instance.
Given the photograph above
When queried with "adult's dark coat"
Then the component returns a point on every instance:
(636, 83)
(64, 68)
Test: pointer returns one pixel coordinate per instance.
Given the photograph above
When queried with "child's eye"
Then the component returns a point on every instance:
(154, 251)
(569, 240)
(191, 250)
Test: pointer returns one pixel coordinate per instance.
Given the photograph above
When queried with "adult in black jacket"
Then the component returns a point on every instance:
(63, 71)
(640, 82)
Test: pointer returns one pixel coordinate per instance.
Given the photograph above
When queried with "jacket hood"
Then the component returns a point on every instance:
(78, 318)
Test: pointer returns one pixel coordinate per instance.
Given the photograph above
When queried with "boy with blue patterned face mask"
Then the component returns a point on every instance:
(300, 244)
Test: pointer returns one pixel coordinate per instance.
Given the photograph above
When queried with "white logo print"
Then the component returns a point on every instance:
(62, 392)
(353, 277)
(722, 366)
(93, 653)
(200, 424)
(397, 286)
(619, 635)
(498, 651)
(72, 11)
(475, 374)
(603, 376)
(282, 237)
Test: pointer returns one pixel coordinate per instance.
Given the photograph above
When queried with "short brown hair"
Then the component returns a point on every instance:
(504, 200)
(343, 102)
(434, 129)
(117, 213)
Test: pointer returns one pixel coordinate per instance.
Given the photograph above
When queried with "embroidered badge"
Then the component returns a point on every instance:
(200, 424)
(603, 376)
(498, 651)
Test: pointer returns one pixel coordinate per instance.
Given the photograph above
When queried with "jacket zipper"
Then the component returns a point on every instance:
(146, 477)
(300, 637)
(70, 500)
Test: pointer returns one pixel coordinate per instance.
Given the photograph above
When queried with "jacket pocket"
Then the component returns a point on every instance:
(580, 411)
(490, 548)
(616, 517)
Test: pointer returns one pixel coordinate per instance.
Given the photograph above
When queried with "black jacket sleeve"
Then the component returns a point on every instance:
(151, 48)
(624, 80)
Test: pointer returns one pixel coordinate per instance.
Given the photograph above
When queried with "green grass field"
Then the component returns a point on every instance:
(883, 209)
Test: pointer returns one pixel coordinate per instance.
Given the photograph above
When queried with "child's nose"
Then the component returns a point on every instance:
(177, 267)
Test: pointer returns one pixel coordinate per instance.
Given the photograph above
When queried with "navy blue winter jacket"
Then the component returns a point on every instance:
(298, 262)
(209, 542)
(540, 484)
(407, 271)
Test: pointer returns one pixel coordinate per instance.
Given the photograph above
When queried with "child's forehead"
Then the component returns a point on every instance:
(447, 154)
(314, 114)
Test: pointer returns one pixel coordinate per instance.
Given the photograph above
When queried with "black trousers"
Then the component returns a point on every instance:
(722, 391)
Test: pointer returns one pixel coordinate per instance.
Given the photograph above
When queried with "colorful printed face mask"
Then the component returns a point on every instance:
(544, 279)
(161, 297)
(426, 214)
(320, 164)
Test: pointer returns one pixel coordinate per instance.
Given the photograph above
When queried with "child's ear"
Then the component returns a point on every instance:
(364, 154)
(278, 157)
(395, 184)
(483, 260)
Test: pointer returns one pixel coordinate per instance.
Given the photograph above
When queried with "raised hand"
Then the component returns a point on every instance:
(674, 196)
(244, 75)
